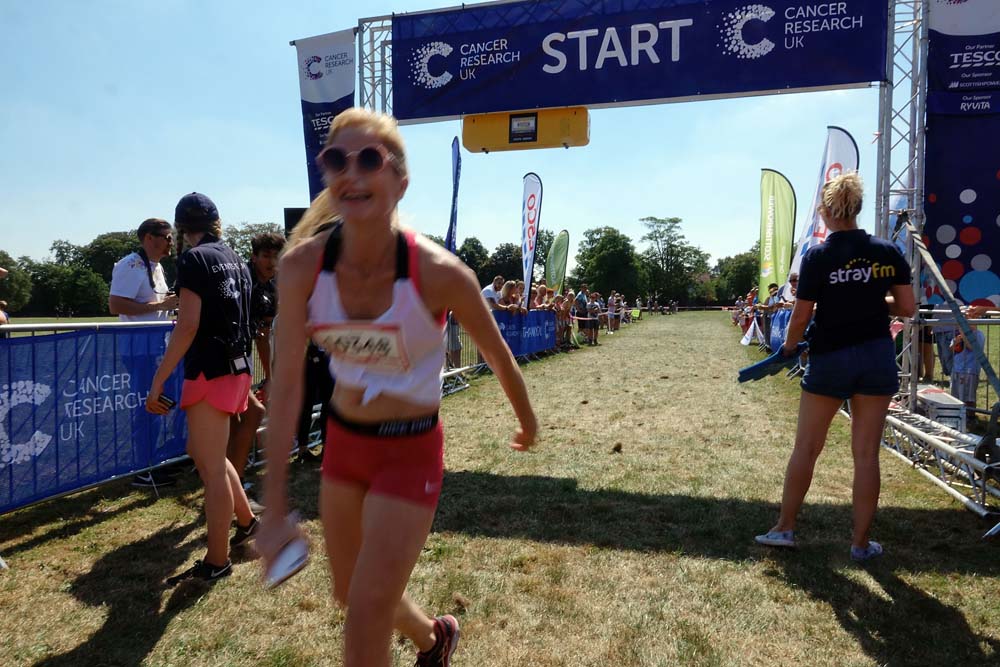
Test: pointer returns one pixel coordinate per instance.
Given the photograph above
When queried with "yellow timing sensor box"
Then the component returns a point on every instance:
(519, 130)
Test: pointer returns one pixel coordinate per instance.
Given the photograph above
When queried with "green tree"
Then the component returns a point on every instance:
(65, 253)
(735, 276)
(15, 289)
(66, 291)
(101, 254)
(505, 260)
(239, 237)
(606, 261)
(672, 265)
(475, 256)
(437, 239)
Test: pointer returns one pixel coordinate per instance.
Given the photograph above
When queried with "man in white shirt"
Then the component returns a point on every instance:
(138, 288)
(492, 294)
(139, 294)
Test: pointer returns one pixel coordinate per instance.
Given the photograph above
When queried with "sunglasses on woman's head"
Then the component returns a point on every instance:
(369, 159)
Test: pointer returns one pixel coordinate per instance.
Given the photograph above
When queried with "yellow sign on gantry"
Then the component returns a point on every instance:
(519, 130)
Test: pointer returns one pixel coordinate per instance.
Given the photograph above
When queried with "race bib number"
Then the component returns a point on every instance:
(377, 346)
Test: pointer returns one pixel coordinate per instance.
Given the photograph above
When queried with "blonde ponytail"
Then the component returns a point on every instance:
(843, 196)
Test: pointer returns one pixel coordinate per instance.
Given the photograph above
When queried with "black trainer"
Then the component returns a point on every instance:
(153, 478)
(244, 533)
(204, 571)
(446, 633)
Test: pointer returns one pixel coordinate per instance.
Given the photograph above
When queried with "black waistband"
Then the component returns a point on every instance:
(388, 429)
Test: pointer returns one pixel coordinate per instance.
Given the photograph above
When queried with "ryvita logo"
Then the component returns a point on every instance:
(421, 65)
(733, 40)
(307, 67)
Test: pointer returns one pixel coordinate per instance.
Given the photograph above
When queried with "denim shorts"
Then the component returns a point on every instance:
(867, 368)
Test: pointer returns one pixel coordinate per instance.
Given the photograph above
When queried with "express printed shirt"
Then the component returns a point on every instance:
(848, 277)
(214, 272)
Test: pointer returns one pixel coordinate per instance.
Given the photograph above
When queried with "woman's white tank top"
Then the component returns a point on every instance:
(399, 353)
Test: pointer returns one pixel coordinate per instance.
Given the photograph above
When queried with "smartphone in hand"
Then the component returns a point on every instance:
(167, 401)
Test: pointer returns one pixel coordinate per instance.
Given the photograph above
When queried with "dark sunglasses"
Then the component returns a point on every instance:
(369, 159)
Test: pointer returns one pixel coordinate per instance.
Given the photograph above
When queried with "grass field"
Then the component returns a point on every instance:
(573, 554)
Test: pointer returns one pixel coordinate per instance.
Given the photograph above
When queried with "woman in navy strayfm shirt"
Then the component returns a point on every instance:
(851, 356)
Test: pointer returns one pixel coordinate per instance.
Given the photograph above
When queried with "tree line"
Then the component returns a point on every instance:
(74, 280)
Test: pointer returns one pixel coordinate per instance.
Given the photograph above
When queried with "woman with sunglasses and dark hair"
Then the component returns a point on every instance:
(375, 296)
(213, 337)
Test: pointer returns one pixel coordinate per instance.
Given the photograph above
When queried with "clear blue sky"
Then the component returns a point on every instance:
(113, 110)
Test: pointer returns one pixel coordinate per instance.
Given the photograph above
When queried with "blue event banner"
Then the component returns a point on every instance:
(779, 328)
(530, 333)
(964, 46)
(507, 56)
(72, 411)
(326, 85)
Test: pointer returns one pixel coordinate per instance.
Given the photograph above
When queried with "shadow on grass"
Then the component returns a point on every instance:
(906, 626)
(129, 585)
(67, 517)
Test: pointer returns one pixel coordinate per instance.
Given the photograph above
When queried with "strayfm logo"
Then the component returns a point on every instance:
(852, 273)
(307, 67)
(732, 26)
(421, 65)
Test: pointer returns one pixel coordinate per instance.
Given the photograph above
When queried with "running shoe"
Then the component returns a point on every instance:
(244, 533)
(446, 632)
(777, 538)
(873, 550)
(151, 479)
(205, 571)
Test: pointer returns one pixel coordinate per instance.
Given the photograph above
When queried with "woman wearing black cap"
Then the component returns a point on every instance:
(213, 337)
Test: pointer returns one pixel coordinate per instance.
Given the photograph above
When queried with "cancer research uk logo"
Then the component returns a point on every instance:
(733, 39)
(744, 30)
(421, 65)
(25, 392)
(473, 56)
(307, 68)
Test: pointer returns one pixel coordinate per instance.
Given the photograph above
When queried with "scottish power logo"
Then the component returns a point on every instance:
(307, 68)
(747, 32)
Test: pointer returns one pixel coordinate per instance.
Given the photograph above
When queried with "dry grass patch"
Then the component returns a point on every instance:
(625, 538)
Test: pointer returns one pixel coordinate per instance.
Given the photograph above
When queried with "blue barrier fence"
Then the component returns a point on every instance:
(72, 405)
(72, 411)
(779, 327)
(528, 333)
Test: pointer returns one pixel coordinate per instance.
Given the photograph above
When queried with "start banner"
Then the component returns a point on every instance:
(72, 411)
(527, 54)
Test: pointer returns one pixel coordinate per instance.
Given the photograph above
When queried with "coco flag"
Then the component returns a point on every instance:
(507, 56)
(456, 173)
(326, 83)
(555, 264)
(777, 220)
(531, 212)
(839, 156)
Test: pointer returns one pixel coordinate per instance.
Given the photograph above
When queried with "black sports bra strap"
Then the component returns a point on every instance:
(332, 250)
(402, 257)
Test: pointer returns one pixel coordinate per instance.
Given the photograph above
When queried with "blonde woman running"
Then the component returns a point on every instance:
(375, 296)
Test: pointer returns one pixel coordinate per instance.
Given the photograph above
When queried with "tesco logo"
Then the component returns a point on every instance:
(531, 215)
